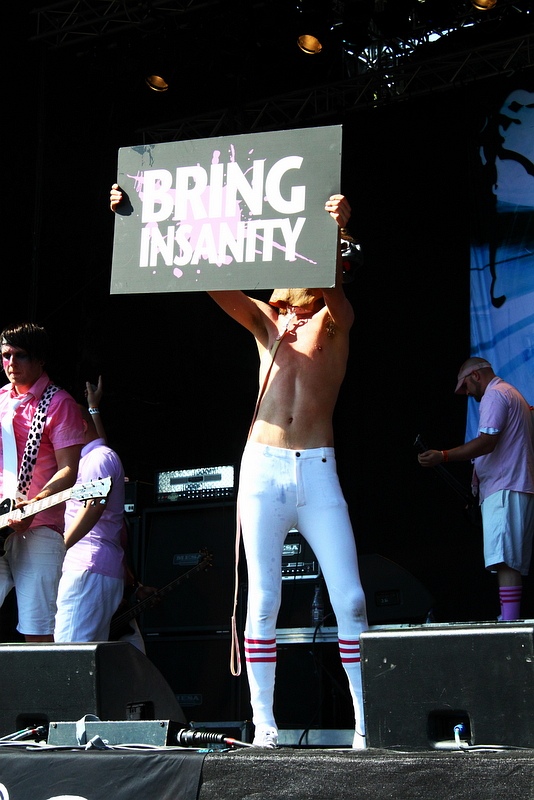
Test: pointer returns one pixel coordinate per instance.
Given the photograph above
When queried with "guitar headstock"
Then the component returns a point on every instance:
(92, 490)
(205, 558)
(420, 444)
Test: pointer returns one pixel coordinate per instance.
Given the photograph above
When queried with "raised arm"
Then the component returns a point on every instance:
(94, 396)
(336, 301)
(256, 316)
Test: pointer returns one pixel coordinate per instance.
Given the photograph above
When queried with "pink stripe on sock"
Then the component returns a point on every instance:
(260, 641)
(260, 650)
(509, 593)
(349, 651)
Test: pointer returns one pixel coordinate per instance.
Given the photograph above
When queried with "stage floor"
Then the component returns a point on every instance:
(367, 775)
(170, 773)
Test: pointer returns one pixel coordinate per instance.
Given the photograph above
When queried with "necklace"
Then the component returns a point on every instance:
(287, 323)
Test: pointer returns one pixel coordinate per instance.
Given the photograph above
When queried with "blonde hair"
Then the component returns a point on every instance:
(282, 298)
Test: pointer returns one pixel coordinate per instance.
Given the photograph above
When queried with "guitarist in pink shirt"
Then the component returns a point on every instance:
(40, 445)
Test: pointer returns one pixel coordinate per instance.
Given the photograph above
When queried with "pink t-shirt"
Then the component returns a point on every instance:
(63, 428)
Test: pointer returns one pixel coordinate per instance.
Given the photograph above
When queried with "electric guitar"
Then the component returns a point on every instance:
(85, 491)
(119, 622)
(471, 505)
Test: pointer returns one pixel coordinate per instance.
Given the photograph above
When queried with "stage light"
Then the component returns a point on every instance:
(483, 5)
(156, 83)
(309, 44)
(315, 25)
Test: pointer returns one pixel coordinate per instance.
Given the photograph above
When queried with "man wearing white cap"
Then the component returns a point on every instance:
(503, 456)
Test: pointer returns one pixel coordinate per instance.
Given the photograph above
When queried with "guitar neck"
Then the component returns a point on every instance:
(35, 507)
(445, 474)
(138, 608)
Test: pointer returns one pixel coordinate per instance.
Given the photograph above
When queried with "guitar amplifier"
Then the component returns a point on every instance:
(137, 496)
(198, 484)
(299, 562)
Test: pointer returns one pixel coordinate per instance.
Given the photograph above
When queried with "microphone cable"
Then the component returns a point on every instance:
(188, 737)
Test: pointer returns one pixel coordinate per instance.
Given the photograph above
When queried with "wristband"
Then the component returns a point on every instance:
(445, 454)
(93, 411)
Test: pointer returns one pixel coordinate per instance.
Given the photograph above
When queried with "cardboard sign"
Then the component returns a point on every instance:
(235, 212)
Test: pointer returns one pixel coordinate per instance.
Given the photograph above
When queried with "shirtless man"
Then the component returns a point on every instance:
(288, 474)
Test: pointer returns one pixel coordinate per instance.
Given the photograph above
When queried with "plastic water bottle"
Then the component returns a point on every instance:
(317, 609)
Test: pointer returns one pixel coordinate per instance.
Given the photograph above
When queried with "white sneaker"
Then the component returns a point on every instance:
(359, 742)
(265, 736)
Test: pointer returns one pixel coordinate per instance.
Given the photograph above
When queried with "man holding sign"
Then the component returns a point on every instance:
(288, 474)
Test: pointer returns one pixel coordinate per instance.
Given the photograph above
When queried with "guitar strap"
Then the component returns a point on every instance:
(235, 655)
(19, 488)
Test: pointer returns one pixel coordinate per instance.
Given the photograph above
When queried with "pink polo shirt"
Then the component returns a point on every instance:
(504, 410)
(63, 428)
(100, 550)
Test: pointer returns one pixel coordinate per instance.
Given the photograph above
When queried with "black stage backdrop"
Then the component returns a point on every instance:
(181, 379)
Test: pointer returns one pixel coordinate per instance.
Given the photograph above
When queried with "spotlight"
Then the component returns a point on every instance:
(483, 5)
(309, 44)
(314, 24)
(157, 83)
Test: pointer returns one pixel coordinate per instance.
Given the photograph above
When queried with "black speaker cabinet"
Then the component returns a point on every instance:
(197, 667)
(393, 595)
(173, 538)
(311, 687)
(63, 682)
(421, 683)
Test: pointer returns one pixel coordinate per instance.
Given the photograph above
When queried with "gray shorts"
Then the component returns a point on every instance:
(508, 523)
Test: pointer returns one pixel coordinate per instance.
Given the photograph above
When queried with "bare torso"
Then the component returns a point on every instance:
(303, 385)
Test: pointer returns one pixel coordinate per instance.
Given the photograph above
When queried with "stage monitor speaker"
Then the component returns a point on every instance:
(173, 539)
(393, 595)
(112, 680)
(198, 670)
(421, 683)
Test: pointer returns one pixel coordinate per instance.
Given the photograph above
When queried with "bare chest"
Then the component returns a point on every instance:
(307, 336)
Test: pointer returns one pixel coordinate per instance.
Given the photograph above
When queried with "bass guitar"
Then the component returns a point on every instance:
(121, 619)
(471, 505)
(84, 491)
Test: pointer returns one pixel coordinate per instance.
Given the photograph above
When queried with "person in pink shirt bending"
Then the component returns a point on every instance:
(503, 455)
(40, 444)
(92, 580)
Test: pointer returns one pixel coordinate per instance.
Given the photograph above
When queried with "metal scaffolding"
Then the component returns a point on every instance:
(335, 101)
(467, 46)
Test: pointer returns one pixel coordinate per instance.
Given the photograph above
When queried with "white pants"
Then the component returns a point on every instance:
(32, 564)
(86, 602)
(280, 489)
